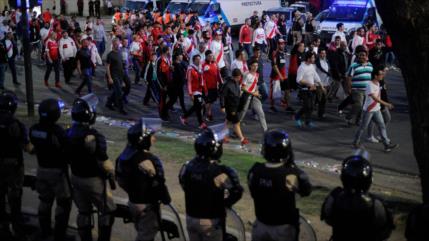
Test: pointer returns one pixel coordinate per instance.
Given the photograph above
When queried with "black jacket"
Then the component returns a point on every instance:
(230, 95)
(338, 61)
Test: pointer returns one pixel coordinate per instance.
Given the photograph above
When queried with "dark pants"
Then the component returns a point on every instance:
(247, 48)
(162, 108)
(197, 108)
(86, 80)
(272, 46)
(101, 47)
(306, 110)
(127, 84)
(116, 97)
(68, 67)
(137, 68)
(346, 102)
(12, 67)
(147, 96)
(174, 93)
(321, 99)
(54, 65)
(80, 10)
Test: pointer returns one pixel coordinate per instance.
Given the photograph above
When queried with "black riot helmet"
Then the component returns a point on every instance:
(208, 144)
(140, 134)
(277, 147)
(83, 110)
(50, 111)
(8, 102)
(356, 173)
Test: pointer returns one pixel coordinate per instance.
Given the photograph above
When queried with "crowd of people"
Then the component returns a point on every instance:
(176, 56)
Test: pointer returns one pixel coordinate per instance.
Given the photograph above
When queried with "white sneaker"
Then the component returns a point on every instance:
(372, 139)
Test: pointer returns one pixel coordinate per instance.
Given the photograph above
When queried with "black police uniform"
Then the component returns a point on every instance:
(49, 140)
(145, 189)
(13, 139)
(88, 179)
(205, 181)
(273, 186)
(353, 213)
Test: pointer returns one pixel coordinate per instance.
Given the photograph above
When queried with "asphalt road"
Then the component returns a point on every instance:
(327, 144)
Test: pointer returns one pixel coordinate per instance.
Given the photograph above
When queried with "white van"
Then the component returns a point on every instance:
(353, 13)
(233, 12)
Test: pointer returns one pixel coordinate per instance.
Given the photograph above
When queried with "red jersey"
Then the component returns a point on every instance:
(52, 49)
(245, 35)
(195, 81)
(211, 75)
(47, 16)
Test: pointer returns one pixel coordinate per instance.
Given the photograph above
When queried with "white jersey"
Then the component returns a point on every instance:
(241, 65)
(217, 48)
(341, 34)
(259, 36)
(44, 34)
(271, 29)
(67, 48)
(188, 46)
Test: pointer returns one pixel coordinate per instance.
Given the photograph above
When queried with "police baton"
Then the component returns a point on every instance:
(159, 219)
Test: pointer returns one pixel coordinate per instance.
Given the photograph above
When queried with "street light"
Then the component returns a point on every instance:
(27, 55)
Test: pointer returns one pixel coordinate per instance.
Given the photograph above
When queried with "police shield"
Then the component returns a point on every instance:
(92, 101)
(150, 125)
(171, 224)
(306, 231)
(235, 229)
(220, 131)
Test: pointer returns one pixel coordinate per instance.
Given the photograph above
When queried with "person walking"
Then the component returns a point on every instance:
(245, 36)
(372, 111)
(53, 59)
(196, 89)
(115, 77)
(84, 67)
(307, 79)
(100, 36)
(230, 103)
(12, 51)
(3, 64)
(251, 96)
(211, 78)
(68, 53)
(322, 69)
(358, 77)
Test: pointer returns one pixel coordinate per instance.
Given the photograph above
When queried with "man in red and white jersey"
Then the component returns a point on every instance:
(52, 59)
(212, 80)
(271, 30)
(216, 46)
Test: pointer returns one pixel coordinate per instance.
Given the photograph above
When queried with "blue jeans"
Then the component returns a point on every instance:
(367, 118)
(12, 66)
(86, 79)
(2, 74)
(263, 91)
(101, 47)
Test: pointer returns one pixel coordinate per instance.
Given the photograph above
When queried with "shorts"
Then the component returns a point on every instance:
(233, 118)
(212, 96)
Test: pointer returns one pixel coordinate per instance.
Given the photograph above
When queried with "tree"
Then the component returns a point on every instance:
(407, 23)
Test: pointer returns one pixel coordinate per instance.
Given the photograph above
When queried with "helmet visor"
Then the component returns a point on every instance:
(92, 101)
(220, 131)
(151, 125)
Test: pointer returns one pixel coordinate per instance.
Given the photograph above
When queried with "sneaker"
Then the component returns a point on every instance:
(274, 109)
(372, 139)
(209, 118)
(203, 126)
(298, 123)
(58, 85)
(389, 147)
(245, 141)
(340, 112)
(184, 121)
(46, 83)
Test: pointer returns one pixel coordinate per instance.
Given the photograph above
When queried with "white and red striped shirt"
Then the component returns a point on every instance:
(370, 104)
(217, 48)
(271, 29)
(250, 82)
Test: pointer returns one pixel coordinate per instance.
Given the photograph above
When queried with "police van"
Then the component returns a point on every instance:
(140, 4)
(353, 13)
(175, 6)
(232, 12)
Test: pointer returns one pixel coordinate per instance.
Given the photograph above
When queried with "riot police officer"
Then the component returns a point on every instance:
(13, 140)
(90, 168)
(351, 210)
(205, 182)
(273, 186)
(49, 140)
(140, 173)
